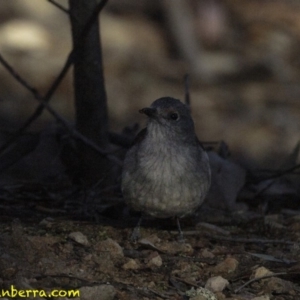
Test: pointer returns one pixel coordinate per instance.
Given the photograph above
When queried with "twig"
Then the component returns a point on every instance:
(10, 69)
(158, 294)
(241, 240)
(35, 93)
(59, 6)
(50, 93)
(274, 177)
(186, 282)
(208, 226)
(258, 278)
(56, 82)
(187, 90)
(213, 227)
(179, 18)
(276, 173)
(78, 135)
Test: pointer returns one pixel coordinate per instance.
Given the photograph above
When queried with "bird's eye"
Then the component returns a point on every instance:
(174, 116)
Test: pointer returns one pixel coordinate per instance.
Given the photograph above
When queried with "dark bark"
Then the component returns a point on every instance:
(90, 95)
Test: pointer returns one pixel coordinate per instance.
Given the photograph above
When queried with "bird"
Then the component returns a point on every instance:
(166, 171)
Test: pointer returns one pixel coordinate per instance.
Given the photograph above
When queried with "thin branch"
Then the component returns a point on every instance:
(274, 177)
(158, 294)
(242, 240)
(188, 282)
(284, 172)
(273, 174)
(187, 99)
(35, 93)
(78, 135)
(258, 278)
(92, 19)
(22, 81)
(235, 240)
(59, 6)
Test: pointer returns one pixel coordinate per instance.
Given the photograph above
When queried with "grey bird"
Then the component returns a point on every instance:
(166, 171)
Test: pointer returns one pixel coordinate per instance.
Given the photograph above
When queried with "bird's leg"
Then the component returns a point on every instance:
(180, 233)
(136, 231)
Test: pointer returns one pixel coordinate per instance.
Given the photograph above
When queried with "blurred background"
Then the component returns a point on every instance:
(242, 57)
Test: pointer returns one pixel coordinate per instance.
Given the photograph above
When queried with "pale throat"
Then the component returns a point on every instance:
(159, 133)
(165, 156)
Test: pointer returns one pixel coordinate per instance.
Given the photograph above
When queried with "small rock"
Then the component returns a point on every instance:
(87, 257)
(47, 222)
(221, 296)
(155, 260)
(216, 284)
(264, 297)
(181, 267)
(151, 285)
(227, 266)
(274, 221)
(176, 247)
(100, 292)
(104, 262)
(198, 297)
(151, 239)
(131, 265)
(260, 272)
(147, 243)
(79, 238)
(272, 284)
(278, 286)
(200, 294)
(111, 246)
(207, 254)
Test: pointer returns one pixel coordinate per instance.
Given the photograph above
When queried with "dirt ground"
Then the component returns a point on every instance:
(227, 256)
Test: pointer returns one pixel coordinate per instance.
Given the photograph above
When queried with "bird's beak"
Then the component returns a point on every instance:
(148, 111)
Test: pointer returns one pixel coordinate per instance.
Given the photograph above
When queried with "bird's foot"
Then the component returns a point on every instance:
(136, 234)
(180, 237)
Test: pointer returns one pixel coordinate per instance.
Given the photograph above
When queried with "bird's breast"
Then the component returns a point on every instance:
(164, 162)
(165, 178)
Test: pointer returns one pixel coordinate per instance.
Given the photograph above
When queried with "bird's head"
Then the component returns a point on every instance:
(169, 115)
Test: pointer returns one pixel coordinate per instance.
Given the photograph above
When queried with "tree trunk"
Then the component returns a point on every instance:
(90, 95)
